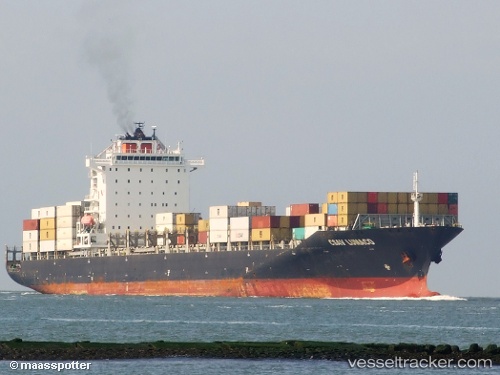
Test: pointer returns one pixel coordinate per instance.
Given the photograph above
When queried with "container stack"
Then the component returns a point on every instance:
(271, 228)
(47, 217)
(305, 219)
(31, 235)
(66, 221)
(234, 223)
(342, 207)
(186, 227)
(165, 222)
(203, 230)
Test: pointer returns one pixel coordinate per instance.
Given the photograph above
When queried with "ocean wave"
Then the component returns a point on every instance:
(98, 320)
(433, 298)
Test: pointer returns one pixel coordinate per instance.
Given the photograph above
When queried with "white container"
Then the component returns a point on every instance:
(67, 221)
(69, 210)
(31, 235)
(160, 228)
(43, 212)
(240, 235)
(239, 222)
(64, 244)
(309, 231)
(218, 236)
(165, 218)
(219, 224)
(47, 246)
(65, 233)
(30, 246)
(222, 211)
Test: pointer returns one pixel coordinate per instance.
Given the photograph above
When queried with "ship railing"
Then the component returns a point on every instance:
(13, 257)
(402, 220)
(121, 250)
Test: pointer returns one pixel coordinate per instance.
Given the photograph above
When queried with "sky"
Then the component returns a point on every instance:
(285, 100)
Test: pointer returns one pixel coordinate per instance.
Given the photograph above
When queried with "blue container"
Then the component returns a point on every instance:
(333, 209)
(452, 198)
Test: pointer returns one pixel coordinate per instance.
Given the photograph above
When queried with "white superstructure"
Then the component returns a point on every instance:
(135, 178)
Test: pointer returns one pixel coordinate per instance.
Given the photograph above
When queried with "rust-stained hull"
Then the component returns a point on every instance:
(299, 288)
(392, 262)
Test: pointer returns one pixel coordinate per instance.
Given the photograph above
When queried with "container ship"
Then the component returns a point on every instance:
(134, 234)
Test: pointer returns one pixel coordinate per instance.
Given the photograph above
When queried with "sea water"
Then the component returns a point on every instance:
(436, 320)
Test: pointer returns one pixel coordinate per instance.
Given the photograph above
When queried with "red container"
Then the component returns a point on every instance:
(295, 222)
(442, 198)
(202, 237)
(372, 208)
(265, 222)
(382, 208)
(453, 209)
(181, 239)
(372, 197)
(332, 221)
(302, 209)
(31, 224)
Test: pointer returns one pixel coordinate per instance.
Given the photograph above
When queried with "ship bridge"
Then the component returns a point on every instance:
(136, 177)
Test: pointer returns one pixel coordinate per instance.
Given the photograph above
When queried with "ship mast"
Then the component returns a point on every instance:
(416, 197)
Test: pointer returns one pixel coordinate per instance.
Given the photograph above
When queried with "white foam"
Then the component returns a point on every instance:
(433, 298)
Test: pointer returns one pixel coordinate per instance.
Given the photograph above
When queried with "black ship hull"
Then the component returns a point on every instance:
(384, 262)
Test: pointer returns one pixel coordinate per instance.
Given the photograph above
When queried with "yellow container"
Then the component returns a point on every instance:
(347, 197)
(433, 209)
(48, 223)
(186, 219)
(402, 208)
(362, 197)
(181, 228)
(332, 197)
(315, 220)
(392, 208)
(362, 208)
(392, 197)
(285, 222)
(424, 208)
(430, 198)
(203, 225)
(265, 234)
(351, 208)
(345, 220)
(403, 197)
(443, 209)
(382, 197)
(324, 208)
(47, 234)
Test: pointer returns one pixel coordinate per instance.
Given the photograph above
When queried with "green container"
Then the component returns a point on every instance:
(298, 233)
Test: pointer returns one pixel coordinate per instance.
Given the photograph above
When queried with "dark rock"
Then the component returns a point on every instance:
(475, 348)
(443, 349)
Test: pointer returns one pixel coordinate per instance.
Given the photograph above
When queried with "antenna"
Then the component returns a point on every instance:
(154, 131)
(416, 197)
